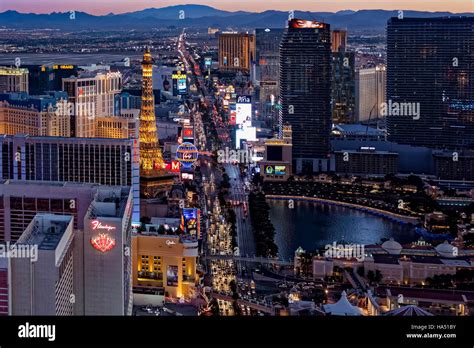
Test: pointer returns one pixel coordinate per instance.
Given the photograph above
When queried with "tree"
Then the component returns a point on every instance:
(237, 309)
(416, 181)
(233, 286)
(378, 276)
(161, 229)
(215, 307)
(319, 296)
(371, 276)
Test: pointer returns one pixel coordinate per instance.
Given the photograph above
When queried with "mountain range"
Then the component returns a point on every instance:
(200, 16)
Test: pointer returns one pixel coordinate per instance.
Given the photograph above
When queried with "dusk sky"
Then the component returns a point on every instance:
(120, 6)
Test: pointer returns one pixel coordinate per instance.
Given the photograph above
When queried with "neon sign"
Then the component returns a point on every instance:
(187, 154)
(175, 166)
(103, 242)
(170, 242)
(97, 225)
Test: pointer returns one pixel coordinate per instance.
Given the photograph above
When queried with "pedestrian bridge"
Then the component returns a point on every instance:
(254, 305)
(255, 259)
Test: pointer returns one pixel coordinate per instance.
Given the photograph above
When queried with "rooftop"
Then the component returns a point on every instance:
(358, 129)
(46, 231)
(386, 259)
(109, 202)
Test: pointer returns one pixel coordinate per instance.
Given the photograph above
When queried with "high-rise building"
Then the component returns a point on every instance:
(48, 77)
(18, 210)
(151, 159)
(93, 95)
(236, 51)
(127, 100)
(343, 86)
(461, 169)
(338, 40)
(90, 160)
(47, 115)
(107, 253)
(305, 92)
(4, 287)
(267, 70)
(430, 87)
(370, 87)
(81, 233)
(13, 79)
(42, 280)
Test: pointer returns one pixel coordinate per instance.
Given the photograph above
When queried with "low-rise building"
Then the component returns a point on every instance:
(277, 162)
(165, 262)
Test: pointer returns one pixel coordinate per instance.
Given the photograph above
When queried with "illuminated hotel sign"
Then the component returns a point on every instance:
(175, 166)
(64, 67)
(97, 225)
(244, 99)
(178, 76)
(103, 242)
(301, 23)
(170, 242)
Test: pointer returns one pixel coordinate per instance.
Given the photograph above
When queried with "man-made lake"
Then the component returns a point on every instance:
(313, 225)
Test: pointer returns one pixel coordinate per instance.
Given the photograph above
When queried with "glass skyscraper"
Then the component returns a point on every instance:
(431, 69)
(267, 69)
(305, 92)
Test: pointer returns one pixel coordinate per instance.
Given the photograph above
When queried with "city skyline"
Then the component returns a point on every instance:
(123, 6)
(186, 161)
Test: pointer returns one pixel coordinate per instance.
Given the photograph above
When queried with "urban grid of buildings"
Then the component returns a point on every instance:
(110, 179)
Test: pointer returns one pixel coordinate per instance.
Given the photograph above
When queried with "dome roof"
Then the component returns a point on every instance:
(446, 250)
(299, 250)
(392, 247)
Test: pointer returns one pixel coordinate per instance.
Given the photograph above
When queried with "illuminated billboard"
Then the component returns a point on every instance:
(243, 109)
(187, 154)
(275, 170)
(172, 276)
(191, 221)
(179, 83)
(302, 23)
(188, 133)
(233, 115)
(187, 176)
(246, 133)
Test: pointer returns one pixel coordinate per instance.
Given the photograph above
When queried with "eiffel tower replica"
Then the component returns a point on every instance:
(154, 180)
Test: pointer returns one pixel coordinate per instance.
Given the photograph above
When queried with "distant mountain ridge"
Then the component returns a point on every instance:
(202, 16)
